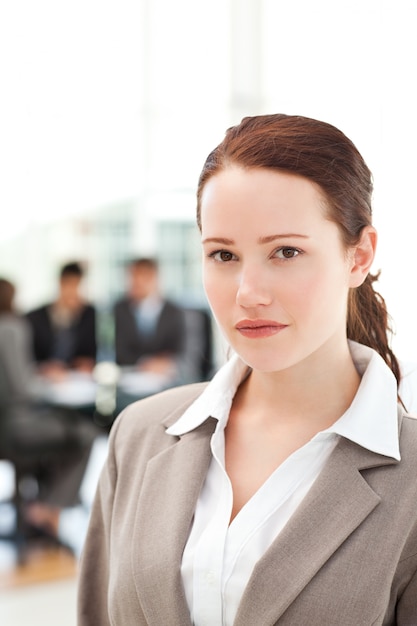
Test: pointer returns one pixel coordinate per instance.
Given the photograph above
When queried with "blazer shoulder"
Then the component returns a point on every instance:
(408, 430)
(408, 440)
(157, 410)
(122, 304)
(170, 305)
(40, 312)
(412, 417)
(88, 315)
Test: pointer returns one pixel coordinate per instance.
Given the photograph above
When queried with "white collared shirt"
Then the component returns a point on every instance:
(219, 558)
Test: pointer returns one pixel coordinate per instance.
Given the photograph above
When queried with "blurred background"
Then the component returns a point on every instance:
(109, 109)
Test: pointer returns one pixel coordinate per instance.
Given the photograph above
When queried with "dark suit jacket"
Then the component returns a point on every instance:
(347, 557)
(131, 344)
(43, 335)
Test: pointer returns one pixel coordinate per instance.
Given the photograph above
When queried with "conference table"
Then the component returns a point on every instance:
(103, 393)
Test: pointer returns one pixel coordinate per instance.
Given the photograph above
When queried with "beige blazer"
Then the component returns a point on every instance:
(348, 556)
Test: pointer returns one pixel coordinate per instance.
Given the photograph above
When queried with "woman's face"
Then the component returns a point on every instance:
(275, 271)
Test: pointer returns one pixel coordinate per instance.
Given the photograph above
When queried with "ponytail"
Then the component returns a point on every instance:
(369, 323)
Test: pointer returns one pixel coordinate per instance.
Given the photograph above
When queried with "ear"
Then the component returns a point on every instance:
(363, 255)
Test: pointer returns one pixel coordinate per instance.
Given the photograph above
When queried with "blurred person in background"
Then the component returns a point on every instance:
(57, 441)
(64, 331)
(149, 329)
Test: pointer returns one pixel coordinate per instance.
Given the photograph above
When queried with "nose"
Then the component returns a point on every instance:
(253, 288)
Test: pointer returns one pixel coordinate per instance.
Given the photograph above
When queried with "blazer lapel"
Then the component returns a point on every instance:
(338, 503)
(171, 486)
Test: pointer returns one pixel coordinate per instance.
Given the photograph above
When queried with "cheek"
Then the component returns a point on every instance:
(297, 289)
(219, 294)
(324, 296)
(314, 290)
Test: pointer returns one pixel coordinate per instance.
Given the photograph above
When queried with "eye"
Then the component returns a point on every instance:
(222, 256)
(287, 252)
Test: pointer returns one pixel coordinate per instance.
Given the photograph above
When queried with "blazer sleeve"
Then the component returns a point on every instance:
(94, 572)
(407, 603)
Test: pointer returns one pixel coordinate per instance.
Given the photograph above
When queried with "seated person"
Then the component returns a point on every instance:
(149, 329)
(64, 331)
(56, 442)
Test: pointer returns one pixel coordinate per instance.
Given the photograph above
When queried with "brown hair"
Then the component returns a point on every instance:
(7, 291)
(74, 268)
(323, 154)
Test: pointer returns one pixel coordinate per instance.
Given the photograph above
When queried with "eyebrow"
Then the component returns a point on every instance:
(262, 240)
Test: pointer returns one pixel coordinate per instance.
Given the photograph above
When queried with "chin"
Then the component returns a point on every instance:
(263, 362)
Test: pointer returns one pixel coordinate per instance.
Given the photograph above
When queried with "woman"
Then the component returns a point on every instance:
(52, 445)
(281, 492)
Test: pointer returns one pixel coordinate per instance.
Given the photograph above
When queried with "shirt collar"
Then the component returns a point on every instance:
(370, 421)
(216, 399)
(150, 303)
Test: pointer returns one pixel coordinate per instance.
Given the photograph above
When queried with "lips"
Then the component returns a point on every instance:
(259, 328)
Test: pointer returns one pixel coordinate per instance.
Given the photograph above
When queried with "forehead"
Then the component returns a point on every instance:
(261, 196)
(70, 279)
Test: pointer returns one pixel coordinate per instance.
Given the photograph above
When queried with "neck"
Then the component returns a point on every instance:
(320, 389)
